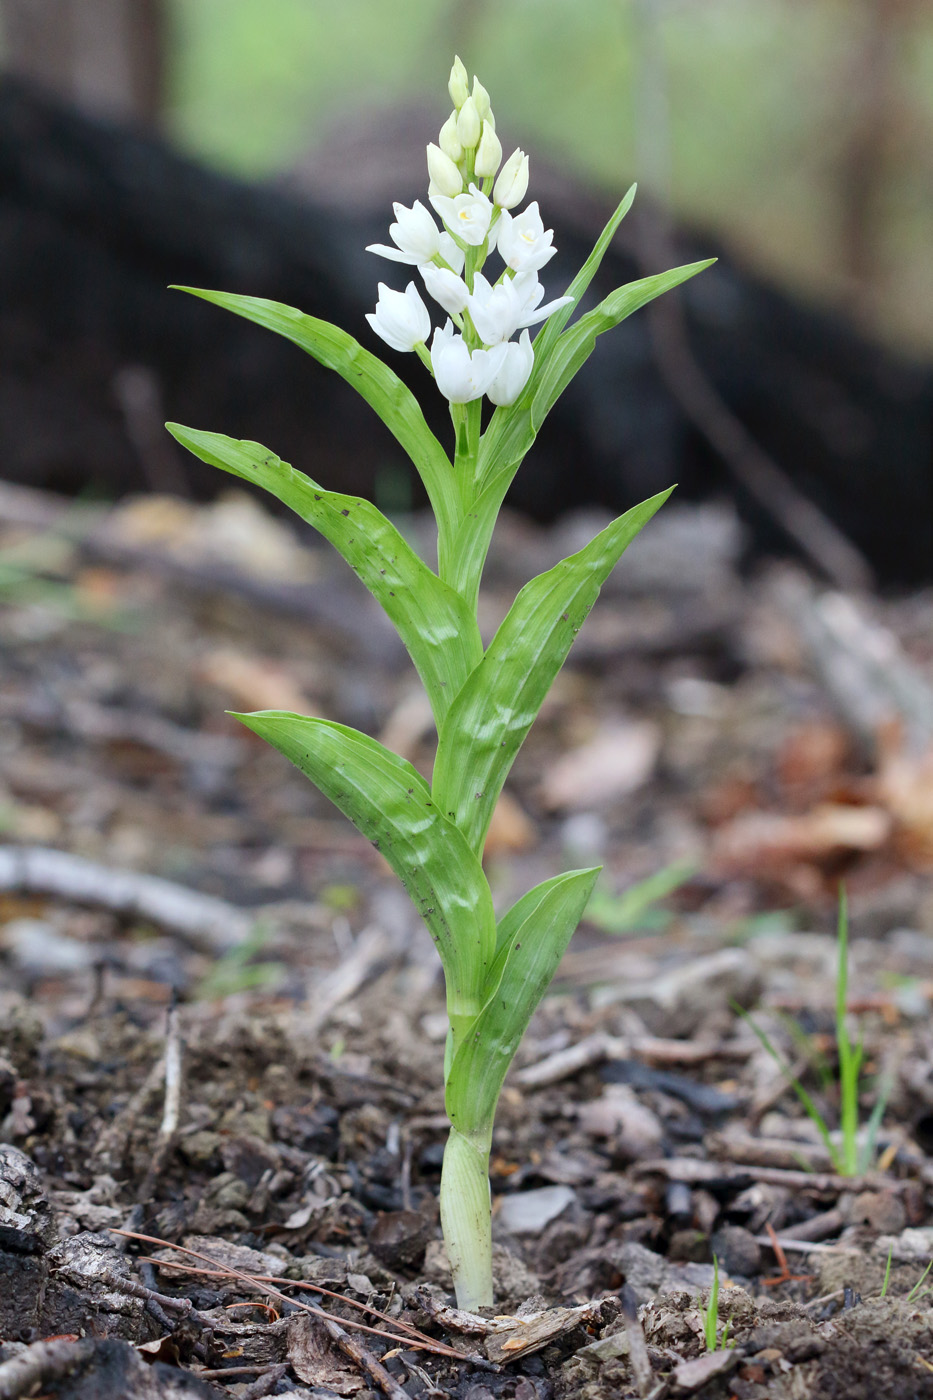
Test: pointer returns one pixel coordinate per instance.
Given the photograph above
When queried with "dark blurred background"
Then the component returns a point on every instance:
(259, 147)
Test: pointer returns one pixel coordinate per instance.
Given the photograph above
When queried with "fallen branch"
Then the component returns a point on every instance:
(696, 1173)
(42, 1364)
(201, 919)
(597, 1048)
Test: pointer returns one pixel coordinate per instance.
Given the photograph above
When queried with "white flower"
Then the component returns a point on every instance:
(498, 312)
(451, 252)
(466, 215)
(488, 152)
(449, 290)
(522, 242)
(494, 311)
(530, 291)
(415, 234)
(513, 375)
(468, 125)
(458, 84)
(447, 139)
(443, 172)
(512, 184)
(460, 375)
(401, 318)
(481, 98)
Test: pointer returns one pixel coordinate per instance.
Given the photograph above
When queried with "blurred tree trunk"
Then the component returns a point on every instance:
(880, 30)
(107, 56)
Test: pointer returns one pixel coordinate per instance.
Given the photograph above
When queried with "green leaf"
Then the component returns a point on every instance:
(391, 805)
(432, 620)
(531, 941)
(380, 386)
(487, 723)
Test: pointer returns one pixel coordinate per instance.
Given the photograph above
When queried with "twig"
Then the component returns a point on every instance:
(40, 1364)
(418, 1338)
(785, 1276)
(768, 1152)
(696, 1172)
(351, 1348)
(165, 1301)
(260, 1387)
(171, 1113)
(637, 1346)
(265, 1286)
(200, 918)
(599, 1047)
(111, 1144)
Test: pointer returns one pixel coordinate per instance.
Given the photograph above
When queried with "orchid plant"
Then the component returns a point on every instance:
(484, 699)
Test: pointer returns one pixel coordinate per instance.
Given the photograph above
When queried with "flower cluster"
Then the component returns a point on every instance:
(473, 353)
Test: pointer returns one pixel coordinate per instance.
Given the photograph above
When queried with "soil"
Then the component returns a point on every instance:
(297, 1133)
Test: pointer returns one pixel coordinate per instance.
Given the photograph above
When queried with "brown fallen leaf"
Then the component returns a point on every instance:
(254, 682)
(619, 759)
(511, 829)
(316, 1361)
(767, 841)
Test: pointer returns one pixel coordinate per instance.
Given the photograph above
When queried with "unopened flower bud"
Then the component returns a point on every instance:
(458, 84)
(512, 184)
(468, 125)
(443, 172)
(481, 98)
(447, 140)
(488, 152)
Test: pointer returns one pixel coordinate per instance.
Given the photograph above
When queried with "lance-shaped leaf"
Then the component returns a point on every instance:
(432, 620)
(531, 941)
(503, 447)
(382, 389)
(389, 802)
(487, 723)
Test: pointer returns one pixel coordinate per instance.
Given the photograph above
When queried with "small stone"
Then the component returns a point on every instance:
(527, 1212)
(199, 1148)
(882, 1210)
(632, 1128)
(399, 1238)
(737, 1250)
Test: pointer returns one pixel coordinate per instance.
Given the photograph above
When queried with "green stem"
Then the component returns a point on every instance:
(466, 1217)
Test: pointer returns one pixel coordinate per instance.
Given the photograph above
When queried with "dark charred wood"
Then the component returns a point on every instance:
(96, 220)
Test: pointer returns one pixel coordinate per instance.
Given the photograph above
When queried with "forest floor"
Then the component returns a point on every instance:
(245, 1060)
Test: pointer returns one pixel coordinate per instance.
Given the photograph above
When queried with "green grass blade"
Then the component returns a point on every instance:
(809, 1106)
(380, 386)
(437, 627)
(850, 1057)
(491, 715)
(391, 805)
(531, 940)
(866, 1157)
(887, 1273)
(915, 1291)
